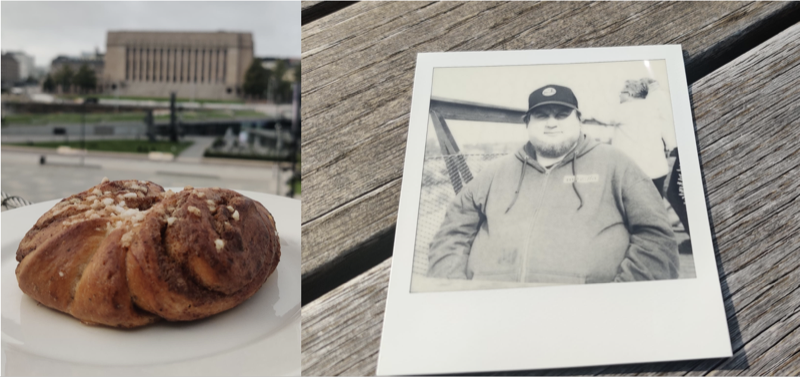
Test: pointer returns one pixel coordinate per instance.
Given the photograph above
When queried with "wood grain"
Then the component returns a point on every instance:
(342, 336)
(358, 73)
(746, 117)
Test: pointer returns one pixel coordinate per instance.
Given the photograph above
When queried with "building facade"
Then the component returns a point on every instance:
(10, 71)
(17, 67)
(95, 63)
(26, 64)
(192, 65)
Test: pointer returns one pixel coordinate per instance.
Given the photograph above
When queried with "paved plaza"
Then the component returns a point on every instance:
(61, 176)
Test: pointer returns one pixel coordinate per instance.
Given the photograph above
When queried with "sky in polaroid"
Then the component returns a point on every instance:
(479, 213)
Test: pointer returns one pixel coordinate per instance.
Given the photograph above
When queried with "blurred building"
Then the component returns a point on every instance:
(9, 67)
(26, 64)
(92, 60)
(202, 65)
(16, 67)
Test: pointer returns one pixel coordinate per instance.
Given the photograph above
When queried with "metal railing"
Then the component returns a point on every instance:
(11, 202)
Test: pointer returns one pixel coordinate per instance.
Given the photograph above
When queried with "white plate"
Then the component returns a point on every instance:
(261, 336)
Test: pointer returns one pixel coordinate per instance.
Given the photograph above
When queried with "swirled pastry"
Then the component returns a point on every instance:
(126, 253)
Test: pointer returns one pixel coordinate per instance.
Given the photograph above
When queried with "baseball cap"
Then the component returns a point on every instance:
(552, 95)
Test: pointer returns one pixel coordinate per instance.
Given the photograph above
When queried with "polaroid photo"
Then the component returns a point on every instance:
(552, 215)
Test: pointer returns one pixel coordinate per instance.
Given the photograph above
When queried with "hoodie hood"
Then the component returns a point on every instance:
(527, 156)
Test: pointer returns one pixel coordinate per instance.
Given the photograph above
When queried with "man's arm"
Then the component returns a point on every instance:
(449, 251)
(652, 253)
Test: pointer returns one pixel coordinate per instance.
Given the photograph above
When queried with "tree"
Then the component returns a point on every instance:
(281, 89)
(64, 78)
(256, 79)
(85, 79)
(49, 84)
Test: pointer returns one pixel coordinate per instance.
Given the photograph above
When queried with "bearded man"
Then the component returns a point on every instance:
(564, 209)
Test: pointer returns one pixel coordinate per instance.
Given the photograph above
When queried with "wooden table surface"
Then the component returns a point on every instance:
(743, 67)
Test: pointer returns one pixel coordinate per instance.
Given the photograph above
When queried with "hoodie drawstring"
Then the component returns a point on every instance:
(522, 177)
(519, 185)
(574, 181)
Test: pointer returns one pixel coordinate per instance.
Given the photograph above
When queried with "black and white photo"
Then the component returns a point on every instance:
(529, 182)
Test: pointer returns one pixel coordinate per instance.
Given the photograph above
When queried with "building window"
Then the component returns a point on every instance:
(154, 70)
(153, 61)
(156, 65)
(188, 65)
(196, 54)
(180, 75)
(202, 65)
(224, 64)
(161, 65)
(127, 63)
(147, 65)
(133, 64)
(166, 69)
(210, 66)
(164, 65)
(141, 64)
(216, 67)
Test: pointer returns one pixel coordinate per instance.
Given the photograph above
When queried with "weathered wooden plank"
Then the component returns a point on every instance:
(352, 213)
(342, 336)
(746, 115)
(358, 73)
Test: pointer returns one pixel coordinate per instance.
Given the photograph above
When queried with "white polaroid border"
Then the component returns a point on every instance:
(561, 326)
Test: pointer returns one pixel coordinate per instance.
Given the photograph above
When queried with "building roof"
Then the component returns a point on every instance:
(171, 38)
(61, 59)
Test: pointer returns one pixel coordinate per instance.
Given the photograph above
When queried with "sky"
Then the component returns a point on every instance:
(48, 29)
(596, 86)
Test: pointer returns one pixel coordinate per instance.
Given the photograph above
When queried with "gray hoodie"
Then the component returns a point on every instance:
(593, 217)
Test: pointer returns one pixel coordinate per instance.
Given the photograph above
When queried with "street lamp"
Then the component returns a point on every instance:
(83, 123)
(83, 126)
(115, 88)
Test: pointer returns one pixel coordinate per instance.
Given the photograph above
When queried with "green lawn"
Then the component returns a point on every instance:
(69, 118)
(216, 114)
(135, 116)
(130, 146)
(165, 99)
